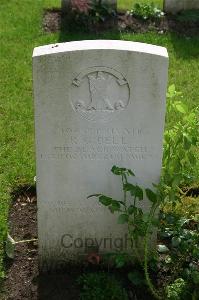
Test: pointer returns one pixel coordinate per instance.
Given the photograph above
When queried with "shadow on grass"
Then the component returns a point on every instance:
(184, 46)
(186, 41)
(69, 31)
(185, 38)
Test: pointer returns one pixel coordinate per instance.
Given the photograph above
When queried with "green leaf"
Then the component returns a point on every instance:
(118, 171)
(140, 211)
(132, 209)
(192, 158)
(122, 203)
(121, 171)
(187, 141)
(155, 222)
(171, 90)
(176, 180)
(195, 276)
(181, 107)
(116, 203)
(182, 221)
(128, 187)
(151, 195)
(145, 217)
(10, 247)
(138, 192)
(135, 190)
(115, 170)
(123, 218)
(115, 206)
(155, 185)
(105, 200)
(162, 249)
(120, 261)
(168, 259)
(131, 172)
(136, 277)
(175, 241)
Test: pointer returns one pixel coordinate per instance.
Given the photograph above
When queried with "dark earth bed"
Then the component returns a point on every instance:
(23, 281)
(54, 20)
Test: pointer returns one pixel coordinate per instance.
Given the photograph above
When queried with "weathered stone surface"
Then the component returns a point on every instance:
(175, 6)
(97, 104)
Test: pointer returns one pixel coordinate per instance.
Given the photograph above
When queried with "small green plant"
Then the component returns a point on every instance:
(182, 238)
(130, 212)
(180, 142)
(176, 290)
(146, 11)
(87, 14)
(179, 164)
(100, 11)
(11, 244)
(101, 286)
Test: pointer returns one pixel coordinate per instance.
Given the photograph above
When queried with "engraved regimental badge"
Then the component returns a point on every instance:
(99, 93)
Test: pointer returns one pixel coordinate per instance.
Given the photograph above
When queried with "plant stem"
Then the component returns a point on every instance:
(26, 241)
(135, 246)
(124, 181)
(146, 272)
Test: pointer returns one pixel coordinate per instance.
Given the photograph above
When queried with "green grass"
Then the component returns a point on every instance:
(20, 32)
(128, 4)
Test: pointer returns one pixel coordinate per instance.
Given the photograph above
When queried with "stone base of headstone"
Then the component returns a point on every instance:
(175, 6)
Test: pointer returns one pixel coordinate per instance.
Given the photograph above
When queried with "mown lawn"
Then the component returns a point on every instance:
(20, 32)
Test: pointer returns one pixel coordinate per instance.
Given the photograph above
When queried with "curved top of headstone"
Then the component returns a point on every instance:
(100, 45)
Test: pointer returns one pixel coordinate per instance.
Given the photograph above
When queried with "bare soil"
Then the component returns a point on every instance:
(25, 282)
(23, 279)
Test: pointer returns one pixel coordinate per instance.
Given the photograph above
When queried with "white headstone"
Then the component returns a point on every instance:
(97, 104)
(175, 6)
